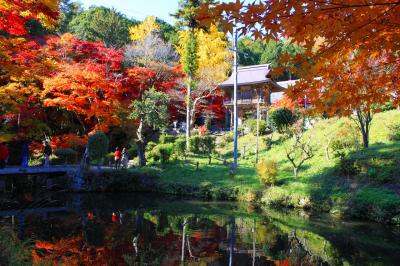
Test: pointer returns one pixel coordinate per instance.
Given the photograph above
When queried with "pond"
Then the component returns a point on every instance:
(148, 229)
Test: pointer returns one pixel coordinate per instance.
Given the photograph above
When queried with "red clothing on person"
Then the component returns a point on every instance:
(117, 155)
(3, 152)
(114, 217)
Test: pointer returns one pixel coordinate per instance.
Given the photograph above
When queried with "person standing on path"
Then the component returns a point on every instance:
(124, 159)
(4, 153)
(47, 152)
(117, 158)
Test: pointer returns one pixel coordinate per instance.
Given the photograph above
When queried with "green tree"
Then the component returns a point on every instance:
(69, 10)
(102, 24)
(187, 16)
(208, 143)
(152, 112)
(255, 52)
(281, 119)
(98, 146)
(168, 32)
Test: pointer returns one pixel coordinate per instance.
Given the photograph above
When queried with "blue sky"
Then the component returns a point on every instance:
(139, 9)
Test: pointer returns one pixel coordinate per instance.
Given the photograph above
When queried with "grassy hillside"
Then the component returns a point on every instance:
(365, 183)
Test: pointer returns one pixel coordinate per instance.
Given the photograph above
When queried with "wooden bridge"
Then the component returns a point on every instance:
(56, 169)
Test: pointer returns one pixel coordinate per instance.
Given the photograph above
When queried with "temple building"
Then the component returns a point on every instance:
(255, 85)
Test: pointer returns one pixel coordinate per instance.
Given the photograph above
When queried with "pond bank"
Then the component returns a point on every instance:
(137, 181)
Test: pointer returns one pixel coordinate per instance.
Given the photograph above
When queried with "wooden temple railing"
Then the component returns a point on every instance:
(244, 101)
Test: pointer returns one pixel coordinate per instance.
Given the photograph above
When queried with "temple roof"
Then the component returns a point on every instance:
(252, 75)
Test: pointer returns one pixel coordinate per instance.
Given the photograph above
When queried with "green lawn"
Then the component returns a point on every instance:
(319, 180)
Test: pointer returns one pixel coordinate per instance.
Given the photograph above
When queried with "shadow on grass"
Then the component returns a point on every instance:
(332, 188)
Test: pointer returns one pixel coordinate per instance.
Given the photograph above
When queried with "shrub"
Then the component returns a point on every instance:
(276, 196)
(349, 167)
(208, 145)
(152, 153)
(132, 152)
(376, 204)
(54, 160)
(98, 145)
(167, 139)
(252, 125)
(268, 171)
(109, 158)
(68, 155)
(12, 250)
(164, 152)
(194, 144)
(180, 146)
(225, 139)
(281, 119)
(150, 146)
(268, 143)
(394, 132)
(346, 139)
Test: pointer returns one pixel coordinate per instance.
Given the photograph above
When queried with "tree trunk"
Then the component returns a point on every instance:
(209, 158)
(365, 136)
(327, 153)
(188, 109)
(141, 145)
(141, 153)
(364, 123)
(295, 171)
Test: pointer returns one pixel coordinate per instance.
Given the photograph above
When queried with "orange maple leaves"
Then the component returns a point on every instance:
(352, 45)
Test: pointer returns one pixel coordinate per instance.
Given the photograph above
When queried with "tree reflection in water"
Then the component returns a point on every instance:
(166, 232)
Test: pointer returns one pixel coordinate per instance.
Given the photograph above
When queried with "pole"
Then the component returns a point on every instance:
(235, 101)
(258, 123)
(254, 241)
(232, 242)
(183, 240)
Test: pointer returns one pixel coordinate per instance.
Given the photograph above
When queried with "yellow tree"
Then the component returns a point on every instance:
(213, 65)
(143, 30)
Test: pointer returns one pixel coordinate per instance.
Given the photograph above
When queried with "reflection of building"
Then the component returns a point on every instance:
(254, 85)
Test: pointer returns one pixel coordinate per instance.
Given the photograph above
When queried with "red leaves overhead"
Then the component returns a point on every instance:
(15, 13)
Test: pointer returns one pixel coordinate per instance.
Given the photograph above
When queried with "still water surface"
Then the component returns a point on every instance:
(146, 229)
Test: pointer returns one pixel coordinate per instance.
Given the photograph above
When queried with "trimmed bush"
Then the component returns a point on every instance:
(281, 119)
(268, 171)
(194, 144)
(180, 146)
(167, 139)
(67, 155)
(165, 151)
(98, 145)
(150, 146)
(208, 145)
